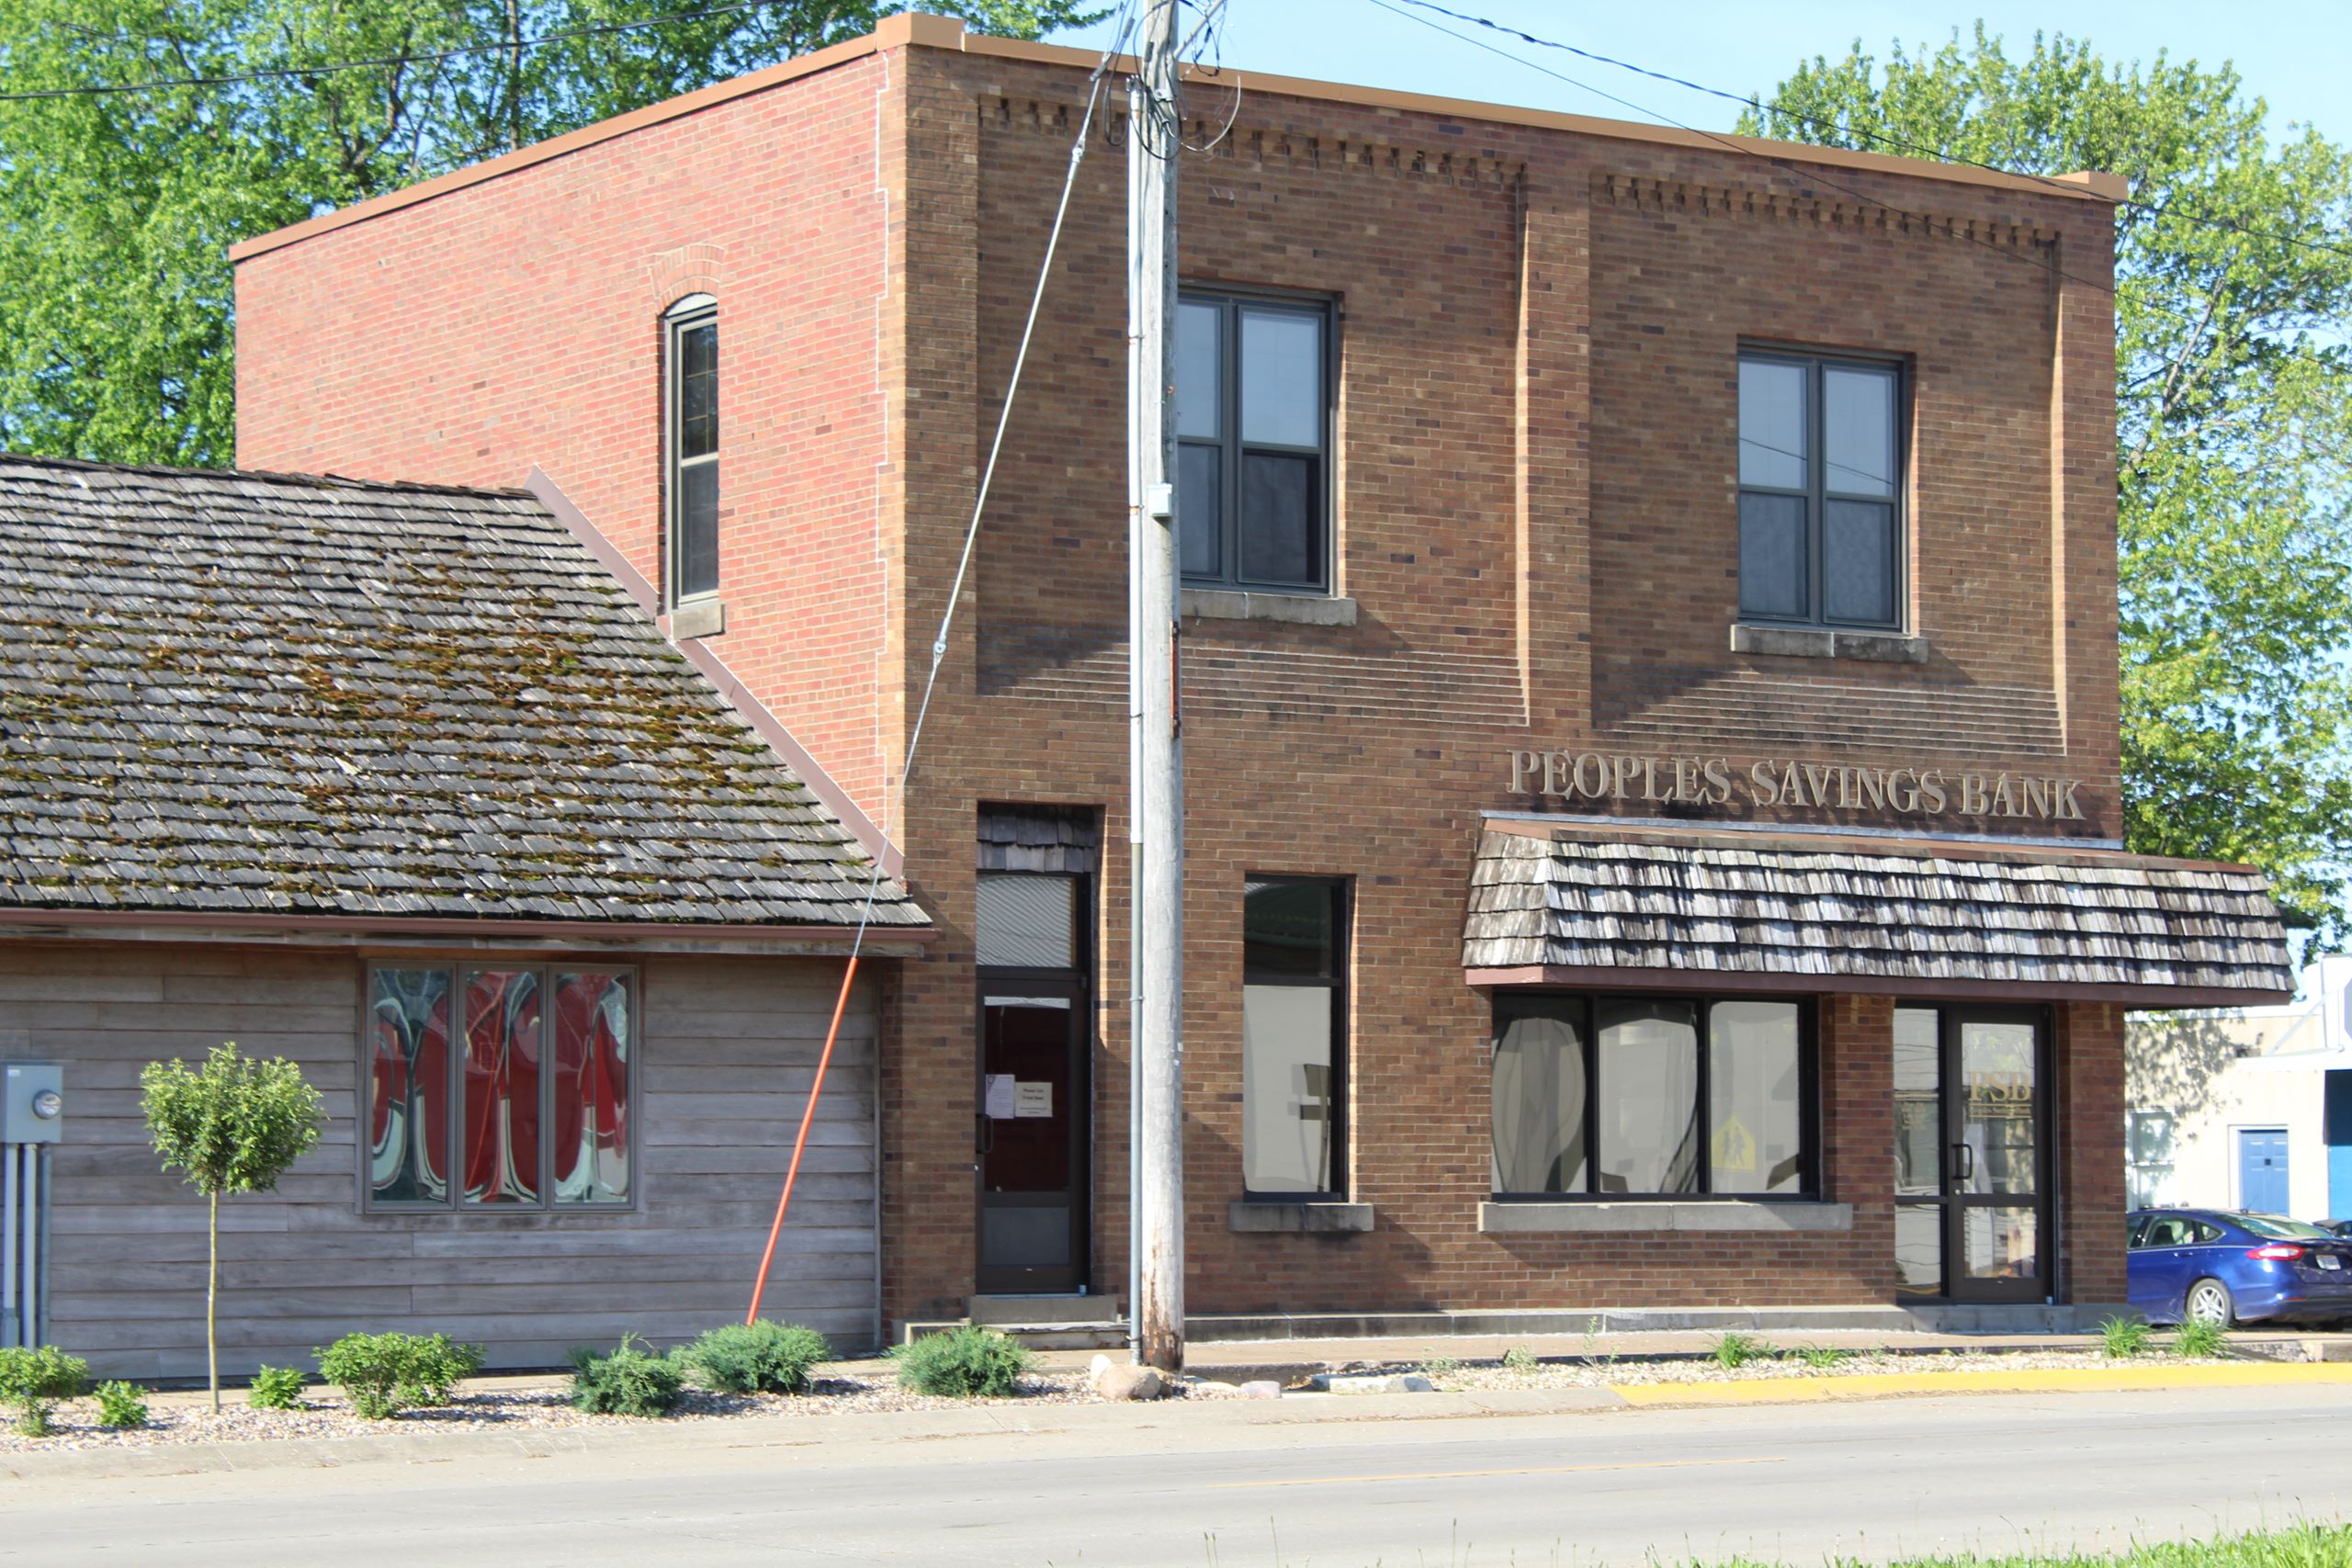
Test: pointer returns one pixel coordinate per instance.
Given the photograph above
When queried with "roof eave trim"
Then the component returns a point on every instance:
(763, 722)
(183, 924)
(1744, 982)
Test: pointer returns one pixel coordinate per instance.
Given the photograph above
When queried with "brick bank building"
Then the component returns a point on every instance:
(1648, 675)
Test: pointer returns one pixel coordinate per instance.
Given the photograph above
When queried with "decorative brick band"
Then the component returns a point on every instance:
(1266, 145)
(1643, 192)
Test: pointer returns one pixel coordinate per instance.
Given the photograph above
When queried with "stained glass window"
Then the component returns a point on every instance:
(596, 1035)
(408, 1087)
(501, 1122)
(521, 1078)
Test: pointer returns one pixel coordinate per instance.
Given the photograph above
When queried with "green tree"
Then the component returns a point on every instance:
(2234, 291)
(233, 1125)
(117, 209)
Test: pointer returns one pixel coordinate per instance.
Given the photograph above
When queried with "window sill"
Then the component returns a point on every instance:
(1824, 642)
(1237, 605)
(1321, 1217)
(697, 618)
(1697, 1214)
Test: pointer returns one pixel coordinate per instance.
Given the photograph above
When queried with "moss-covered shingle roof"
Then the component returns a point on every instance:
(243, 693)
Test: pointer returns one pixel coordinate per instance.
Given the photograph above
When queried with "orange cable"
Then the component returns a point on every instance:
(808, 1115)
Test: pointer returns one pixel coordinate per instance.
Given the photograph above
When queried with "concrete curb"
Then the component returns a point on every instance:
(2066, 1379)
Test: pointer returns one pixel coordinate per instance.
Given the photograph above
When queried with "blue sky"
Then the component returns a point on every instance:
(2294, 53)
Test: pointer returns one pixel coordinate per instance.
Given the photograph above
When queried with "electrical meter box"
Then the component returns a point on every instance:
(32, 1103)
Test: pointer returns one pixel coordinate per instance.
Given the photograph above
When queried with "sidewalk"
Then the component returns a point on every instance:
(1290, 1360)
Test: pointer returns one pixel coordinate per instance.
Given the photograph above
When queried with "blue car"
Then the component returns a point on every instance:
(2219, 1267)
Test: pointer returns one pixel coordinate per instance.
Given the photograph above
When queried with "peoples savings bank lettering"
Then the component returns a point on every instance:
(1783, 782)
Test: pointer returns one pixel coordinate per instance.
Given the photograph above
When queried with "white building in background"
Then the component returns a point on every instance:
(2248, 1107)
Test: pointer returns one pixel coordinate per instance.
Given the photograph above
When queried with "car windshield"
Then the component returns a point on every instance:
(2274, 1227)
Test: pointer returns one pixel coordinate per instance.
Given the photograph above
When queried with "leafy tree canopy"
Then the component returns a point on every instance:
(117, 209)
(235, 1124)
(2233, 293)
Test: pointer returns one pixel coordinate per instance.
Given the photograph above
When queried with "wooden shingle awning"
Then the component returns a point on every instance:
(1595, 907)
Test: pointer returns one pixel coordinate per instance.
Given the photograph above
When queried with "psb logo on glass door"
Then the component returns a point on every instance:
(1994, 1093)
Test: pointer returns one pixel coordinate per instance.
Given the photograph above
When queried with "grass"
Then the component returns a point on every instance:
(1734, 1350)
(2300, 1545)
(2124, 1337)
(2297, 1546)
(2201, 1340)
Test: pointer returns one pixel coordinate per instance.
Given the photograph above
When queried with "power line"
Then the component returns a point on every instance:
(947, 622)
(1917, 148)
(378, 63)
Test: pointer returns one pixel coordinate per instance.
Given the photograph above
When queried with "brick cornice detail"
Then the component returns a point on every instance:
(1852, 216)
(1253, 144)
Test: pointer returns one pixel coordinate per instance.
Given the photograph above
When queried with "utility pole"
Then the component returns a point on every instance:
(1155, 752)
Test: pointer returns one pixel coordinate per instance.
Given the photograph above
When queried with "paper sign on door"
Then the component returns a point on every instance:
(998, 1103)
(1033, 1098)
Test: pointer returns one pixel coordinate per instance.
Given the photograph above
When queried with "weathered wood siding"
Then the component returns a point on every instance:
(727, 1052)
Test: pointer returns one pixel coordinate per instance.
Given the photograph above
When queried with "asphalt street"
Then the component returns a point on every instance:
(1181, 1487)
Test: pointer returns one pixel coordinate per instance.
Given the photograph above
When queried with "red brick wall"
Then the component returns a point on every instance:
(516, 322)
(2091, 1187)
(1535, 520)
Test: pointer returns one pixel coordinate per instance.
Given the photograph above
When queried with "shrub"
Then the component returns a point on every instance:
(32, 1381)
(1519, 1358)
(383, 1373)
(1734, 1351)
(2204, 1340)
(630, 1381)
(276, 1388)
(965, 1362)
(2122, 1338)
(757, 1358)
(119, 1405)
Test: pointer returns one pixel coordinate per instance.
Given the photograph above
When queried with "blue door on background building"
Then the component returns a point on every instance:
(2262, 1169)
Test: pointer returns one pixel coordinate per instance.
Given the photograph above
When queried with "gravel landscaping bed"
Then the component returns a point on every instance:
(174, 1419)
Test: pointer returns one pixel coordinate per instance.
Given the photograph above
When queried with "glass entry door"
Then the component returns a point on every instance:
(1032, 1145)
(1971, 1154)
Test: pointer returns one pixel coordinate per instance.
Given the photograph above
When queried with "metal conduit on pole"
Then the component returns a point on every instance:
(1156, 778)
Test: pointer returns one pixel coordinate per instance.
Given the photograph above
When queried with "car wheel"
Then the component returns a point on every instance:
(2209, 1301)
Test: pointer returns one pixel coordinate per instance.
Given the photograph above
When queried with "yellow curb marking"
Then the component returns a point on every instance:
(2065, 1380)
(1473, 1475)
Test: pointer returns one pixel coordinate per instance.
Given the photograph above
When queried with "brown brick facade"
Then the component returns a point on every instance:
(1535, 519)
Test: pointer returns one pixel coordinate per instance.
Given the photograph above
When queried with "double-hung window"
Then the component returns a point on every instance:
(1253, 430)
(1294, 1057)
(500, 1088)
(1820, 489)
(691, 442)
(1652, 1097)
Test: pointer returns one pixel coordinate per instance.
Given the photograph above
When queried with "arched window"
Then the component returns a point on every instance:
(690, 442)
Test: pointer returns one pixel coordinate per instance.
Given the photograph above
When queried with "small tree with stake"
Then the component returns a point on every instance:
(233, 1125)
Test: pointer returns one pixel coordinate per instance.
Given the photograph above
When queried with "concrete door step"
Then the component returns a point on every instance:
(1032, 1311)
(1103, 1336)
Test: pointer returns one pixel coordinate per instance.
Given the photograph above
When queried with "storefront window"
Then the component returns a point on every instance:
(1292, 1056)
(1672, 1097)
(535, 1102)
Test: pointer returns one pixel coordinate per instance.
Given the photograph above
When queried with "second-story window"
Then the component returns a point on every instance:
(1820, 489)
(692, 443)
(1253, 401)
